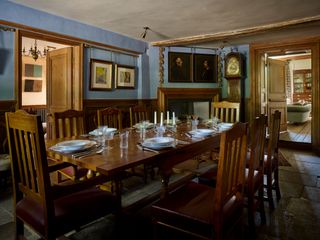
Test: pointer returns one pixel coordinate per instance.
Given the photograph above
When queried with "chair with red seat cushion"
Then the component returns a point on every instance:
(206, 212)
(50, 210)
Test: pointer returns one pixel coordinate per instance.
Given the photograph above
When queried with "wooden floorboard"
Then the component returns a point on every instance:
(297, 132)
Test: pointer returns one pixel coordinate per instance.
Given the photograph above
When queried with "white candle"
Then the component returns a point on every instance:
(173, 119)
(168, 118)
(161, 118)
(155, 117)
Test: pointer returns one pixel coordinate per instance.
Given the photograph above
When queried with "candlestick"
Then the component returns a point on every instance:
(168, 118)
(161, 118)
(173, 119)
(155, 117)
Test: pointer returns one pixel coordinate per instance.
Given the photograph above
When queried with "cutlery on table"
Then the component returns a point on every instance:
(87, 153)
(146, 149)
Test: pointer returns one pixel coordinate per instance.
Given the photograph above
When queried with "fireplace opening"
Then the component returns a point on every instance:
(187, 107)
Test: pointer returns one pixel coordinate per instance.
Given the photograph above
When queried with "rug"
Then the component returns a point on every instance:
(282, 160)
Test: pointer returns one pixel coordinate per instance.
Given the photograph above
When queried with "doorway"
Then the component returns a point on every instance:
(49, 73)
(299, 58)
(297, 76)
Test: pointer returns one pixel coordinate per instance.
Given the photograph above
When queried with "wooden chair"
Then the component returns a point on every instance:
(226, 111)
(271, 164)
(111, 117)
(255, 172)
(137, 114)
(69, 123)
(203, 211)
(50, 210)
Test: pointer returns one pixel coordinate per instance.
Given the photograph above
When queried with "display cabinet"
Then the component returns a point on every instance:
(302, 85)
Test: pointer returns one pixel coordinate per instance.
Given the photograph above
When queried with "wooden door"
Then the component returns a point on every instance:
(64, 81)
(276, 75)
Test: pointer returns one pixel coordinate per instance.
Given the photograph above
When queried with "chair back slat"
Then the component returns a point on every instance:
(68, 123)
(111, 117)
(226, 111)
(258, 137)
(231, 166)
(138, 114)
(274, 132)
(28, 155)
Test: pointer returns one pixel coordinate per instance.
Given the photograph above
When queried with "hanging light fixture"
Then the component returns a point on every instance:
(34, 52)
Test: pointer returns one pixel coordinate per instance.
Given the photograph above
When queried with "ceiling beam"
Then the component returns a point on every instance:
(235, 33)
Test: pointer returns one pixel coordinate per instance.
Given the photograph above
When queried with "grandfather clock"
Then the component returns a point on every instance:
(235, 72)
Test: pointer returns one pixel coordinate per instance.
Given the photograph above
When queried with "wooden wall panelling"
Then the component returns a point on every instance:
(5, 106)
(91, 106)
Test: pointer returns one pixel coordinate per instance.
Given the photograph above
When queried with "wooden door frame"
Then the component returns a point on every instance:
(18, 57)
(255, 53)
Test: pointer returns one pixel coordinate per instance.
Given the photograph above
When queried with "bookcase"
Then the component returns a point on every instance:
(302, 85)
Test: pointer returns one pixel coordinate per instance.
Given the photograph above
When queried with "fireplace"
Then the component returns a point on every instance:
(187, 101)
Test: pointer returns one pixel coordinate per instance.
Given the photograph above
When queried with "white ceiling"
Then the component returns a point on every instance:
(170, 19)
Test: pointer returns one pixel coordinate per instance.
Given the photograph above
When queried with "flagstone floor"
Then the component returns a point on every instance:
(297, 214)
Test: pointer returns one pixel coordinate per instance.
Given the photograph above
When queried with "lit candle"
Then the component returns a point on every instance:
(155, 117)
(173, 119)
(168, 118)
(161, 118)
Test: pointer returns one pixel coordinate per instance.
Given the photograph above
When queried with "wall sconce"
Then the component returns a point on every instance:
(34, 52)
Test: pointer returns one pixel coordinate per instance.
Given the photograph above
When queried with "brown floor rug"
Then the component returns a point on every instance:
(282, 160)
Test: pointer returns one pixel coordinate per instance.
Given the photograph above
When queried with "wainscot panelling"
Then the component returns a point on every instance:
(91, 106)
(5, 106)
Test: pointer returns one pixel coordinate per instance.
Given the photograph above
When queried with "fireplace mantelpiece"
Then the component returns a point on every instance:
(186, 93)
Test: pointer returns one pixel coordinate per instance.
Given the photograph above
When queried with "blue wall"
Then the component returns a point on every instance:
(154, 69)
(146, 63)
(6, 65)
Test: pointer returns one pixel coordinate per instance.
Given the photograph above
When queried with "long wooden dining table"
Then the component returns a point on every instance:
(112, 162)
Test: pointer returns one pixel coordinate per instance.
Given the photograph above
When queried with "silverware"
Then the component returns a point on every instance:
(87, 153)
(146, 149)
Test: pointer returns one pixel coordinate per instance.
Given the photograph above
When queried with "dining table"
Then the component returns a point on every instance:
(113, 161)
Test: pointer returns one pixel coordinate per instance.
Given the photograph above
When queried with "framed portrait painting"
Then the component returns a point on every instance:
(125, 76)
(205, 68)
(101, 75)
(179, 67)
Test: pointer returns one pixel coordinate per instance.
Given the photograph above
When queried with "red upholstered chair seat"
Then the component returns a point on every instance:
(68, 213)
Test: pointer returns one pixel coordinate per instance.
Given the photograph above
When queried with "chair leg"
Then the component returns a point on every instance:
(276, 183)
(261, 207)
(251, 212)
(19, 229)
(269, 191)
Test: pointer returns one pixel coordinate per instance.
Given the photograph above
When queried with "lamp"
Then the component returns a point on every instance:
(35, 52)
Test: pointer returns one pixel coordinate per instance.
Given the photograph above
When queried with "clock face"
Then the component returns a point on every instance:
(233, 66)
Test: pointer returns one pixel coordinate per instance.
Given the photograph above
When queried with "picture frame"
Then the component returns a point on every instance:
(100, 75)
(125, 76)
(179, 67)
(205, 68)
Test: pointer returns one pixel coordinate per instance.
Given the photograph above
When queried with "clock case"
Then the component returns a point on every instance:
(240, 59)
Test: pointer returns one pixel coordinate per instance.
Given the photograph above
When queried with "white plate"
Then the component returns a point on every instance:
(148, 125)
(158, 142)
(73, 146)
(202, 132)
(155, 147)
(96, 133)
(225, 126)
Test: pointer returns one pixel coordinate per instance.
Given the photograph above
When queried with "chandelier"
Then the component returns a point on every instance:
(34, 52)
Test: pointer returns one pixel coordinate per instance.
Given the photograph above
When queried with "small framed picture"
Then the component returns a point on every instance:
(205, 68)
(101, 75)
(125, 76)
(179, 67)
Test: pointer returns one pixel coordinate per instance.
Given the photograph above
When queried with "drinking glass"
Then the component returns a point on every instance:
(160, 129)
(124, 139)
(194, 124)
(101, 137)
(108, 136)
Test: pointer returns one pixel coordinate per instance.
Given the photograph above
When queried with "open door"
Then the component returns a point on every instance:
(64, 81)
(276, 76)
